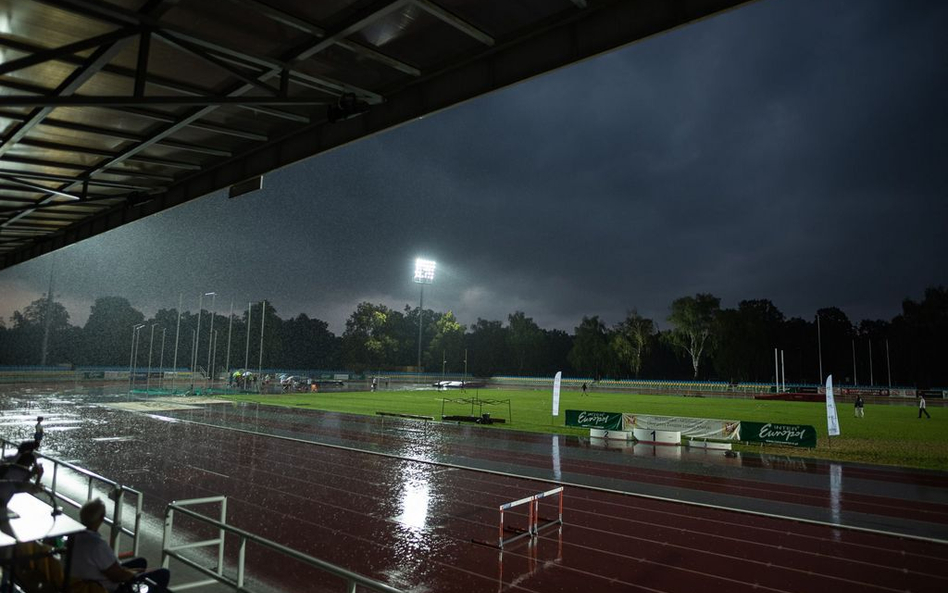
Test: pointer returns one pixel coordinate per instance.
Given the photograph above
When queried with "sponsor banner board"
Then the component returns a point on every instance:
(795, 435)
(602, 420)
(93, 374)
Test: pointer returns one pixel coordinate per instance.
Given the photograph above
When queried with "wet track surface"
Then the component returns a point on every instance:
(401, 501)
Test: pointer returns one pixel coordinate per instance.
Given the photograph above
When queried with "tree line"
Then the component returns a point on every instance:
(697, 340)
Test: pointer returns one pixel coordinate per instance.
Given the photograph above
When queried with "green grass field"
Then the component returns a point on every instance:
(890, 435)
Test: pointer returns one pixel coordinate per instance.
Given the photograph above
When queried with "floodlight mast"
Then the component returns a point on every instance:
(424, 274)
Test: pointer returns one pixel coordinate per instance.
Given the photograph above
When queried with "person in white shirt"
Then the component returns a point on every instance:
(921, 407)
(94, 560)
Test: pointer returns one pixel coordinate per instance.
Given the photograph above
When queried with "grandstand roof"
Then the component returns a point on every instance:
(111, 111)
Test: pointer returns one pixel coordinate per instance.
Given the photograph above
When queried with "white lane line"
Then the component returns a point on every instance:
(201, 469)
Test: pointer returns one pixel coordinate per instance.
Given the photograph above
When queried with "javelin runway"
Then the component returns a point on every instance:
(406, 513)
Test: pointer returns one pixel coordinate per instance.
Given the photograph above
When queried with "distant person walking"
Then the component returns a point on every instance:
(38, 431)
(921, 407)
(860, 407)
(584, 388)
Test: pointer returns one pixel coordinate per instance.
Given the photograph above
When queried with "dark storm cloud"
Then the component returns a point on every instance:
(785, 150)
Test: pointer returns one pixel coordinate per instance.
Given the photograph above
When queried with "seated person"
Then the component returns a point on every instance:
(94, 560)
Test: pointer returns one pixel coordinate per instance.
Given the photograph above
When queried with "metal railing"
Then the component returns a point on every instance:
(216, 575)
(114, 491)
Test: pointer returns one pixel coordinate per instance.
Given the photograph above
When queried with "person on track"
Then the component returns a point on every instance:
(584, 388)
(860, 407)
(922, 409)
(38, 431)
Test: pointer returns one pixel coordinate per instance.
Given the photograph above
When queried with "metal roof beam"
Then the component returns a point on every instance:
(193, 49)
(45, 55)
(121, 16)
(455, 21)
(285, 18)
(361, 21)
(79, 77)
(111, 133)
(11, 175)
(14, 178)
(56, 146)
(113, 100)
(153, 80)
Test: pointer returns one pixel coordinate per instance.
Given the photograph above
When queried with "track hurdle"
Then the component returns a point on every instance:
(533, 517)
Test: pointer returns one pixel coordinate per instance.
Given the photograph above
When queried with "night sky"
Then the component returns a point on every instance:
(790, 150)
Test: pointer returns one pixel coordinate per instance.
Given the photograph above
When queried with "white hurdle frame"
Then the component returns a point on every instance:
(533, 516)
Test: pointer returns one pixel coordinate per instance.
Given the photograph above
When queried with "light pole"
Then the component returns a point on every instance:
(138, 334)
(819, 344)
(424, 274)
(177, 330)
(161, 361)
(247, 348)
(197, 335)
(151, 344)
(230, 327)
(210, 335)
(131, 355)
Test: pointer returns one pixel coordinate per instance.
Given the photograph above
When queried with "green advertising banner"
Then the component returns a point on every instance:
(602, 420)
(795, 435)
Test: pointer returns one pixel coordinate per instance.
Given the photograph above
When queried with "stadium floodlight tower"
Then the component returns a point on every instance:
(424, 274)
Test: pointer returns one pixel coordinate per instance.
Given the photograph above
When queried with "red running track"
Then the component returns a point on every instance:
(411, 524)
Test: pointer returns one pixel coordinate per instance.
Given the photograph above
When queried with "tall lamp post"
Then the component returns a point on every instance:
(424, 274)
(210, 336)
(131, 355)
(151, 344)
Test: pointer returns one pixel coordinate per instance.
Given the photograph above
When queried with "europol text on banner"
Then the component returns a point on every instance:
(794, 435)
(832, 420)
(556, 392)
(601, 420)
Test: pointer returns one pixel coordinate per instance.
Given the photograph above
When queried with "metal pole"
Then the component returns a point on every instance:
(151, 345)
(177, 330)
(213, 361)
(193, 348)
(783, 371)
(819, 343)
(263, 320)
(230, 327)
(194, 353)
(887, 364)
(421, 313)
(776, 373)
(131, 357)
(139, 335)
(247, 350)
(855, 381)
(871, 380)
(161, 362)
(444, 361)
(210, 335)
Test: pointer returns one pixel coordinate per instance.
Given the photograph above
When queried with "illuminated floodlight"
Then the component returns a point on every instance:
(424, 271)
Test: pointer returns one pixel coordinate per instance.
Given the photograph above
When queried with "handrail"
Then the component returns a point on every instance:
(352, 579)
(116, 494)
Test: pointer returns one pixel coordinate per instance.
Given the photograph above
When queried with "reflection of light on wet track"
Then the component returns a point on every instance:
(415, 497)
